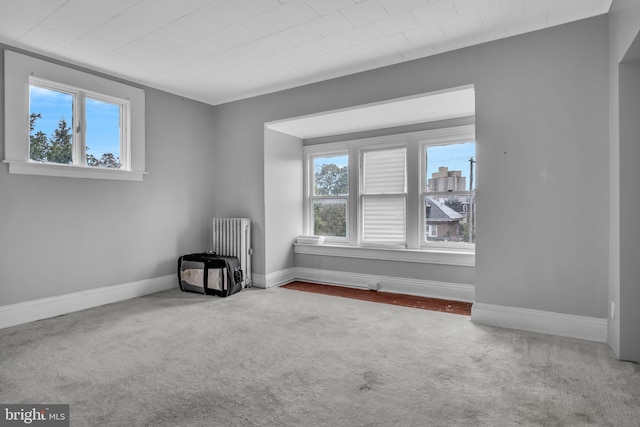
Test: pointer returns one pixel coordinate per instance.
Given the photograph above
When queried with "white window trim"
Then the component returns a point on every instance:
(362, 150)
(457, 135)
(308, 221)
(442, 256)
(19, 69)
(446, 253)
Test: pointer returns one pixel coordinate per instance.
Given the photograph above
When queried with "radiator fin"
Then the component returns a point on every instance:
(232, 237)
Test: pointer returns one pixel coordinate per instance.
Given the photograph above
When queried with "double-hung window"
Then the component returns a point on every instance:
(412, 191)
(447, 194)
(329, 195)
(383, 195)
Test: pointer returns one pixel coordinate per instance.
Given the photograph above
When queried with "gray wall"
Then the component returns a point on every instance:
(283, 174)
(624, 84)
(542, 131)
(64, 235)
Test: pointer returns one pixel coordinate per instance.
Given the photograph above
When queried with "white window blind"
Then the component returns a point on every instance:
(384, 186)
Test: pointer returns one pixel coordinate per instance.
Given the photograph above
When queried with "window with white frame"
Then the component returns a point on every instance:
(60, 121)
(448, 192)
(414, 190)
(329, 195)
(383, 196)
(68, 125)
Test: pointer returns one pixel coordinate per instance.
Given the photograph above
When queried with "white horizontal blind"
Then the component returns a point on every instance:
(384, 184)
(384, 171)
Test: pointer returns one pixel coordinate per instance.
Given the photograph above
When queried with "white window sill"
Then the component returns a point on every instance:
(70, 171)
(465, 258)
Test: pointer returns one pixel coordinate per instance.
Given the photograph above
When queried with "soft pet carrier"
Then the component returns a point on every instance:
(210, 274)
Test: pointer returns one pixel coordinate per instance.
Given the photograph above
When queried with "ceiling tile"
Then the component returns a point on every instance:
(462, 26)
(397, 24)
(221, 14)
(425, 36)
(511, 10)
(333, 43)
(324, 7)
(365, 12)
(183, 31)
(294, 12)
(67, 26)
(333, 23)
(394, 7)
(435, 13)
(465, 7)
(301, 34)
(138, 21)
(16, 17)
(364, 34)
(255, 7)
(264, 24)
(114, 33)
(392, 44)
(94, 13)
(44, 38)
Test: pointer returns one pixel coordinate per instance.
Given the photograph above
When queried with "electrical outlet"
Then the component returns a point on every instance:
(613, 310)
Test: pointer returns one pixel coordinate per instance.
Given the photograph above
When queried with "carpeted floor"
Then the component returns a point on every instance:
(278, 357)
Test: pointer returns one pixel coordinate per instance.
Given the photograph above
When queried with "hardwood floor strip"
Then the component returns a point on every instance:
(424, 303)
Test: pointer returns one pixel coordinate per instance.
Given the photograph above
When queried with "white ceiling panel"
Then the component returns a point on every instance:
(218, 51)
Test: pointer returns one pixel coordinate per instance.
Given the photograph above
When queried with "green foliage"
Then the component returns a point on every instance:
(332, 180)
(330, 219)
(108, 160)
(330, 216)
(39, 142)
(58, 148)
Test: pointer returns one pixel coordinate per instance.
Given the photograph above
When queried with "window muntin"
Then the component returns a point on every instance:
(329, 199)
(71, 126)
(383, 194)
(448, 193)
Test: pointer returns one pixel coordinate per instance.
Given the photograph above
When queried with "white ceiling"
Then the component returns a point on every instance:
(429, 107)
(217, 51)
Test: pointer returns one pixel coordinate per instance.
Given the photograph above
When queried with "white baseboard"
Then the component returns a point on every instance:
(398, 285)
(546, 322)
(30, 311)
(271, 280)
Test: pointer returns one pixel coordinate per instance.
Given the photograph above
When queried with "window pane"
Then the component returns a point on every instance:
(450, 219)
(384, 219)
(330, 217)
(50, 125)
(103, 133)
(385, 171)
(331, 176)
(450, 167)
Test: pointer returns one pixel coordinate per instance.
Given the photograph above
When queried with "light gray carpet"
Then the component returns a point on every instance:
(281, 357)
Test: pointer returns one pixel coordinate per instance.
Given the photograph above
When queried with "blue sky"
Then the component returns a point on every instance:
(455, 157)
(103, 119)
